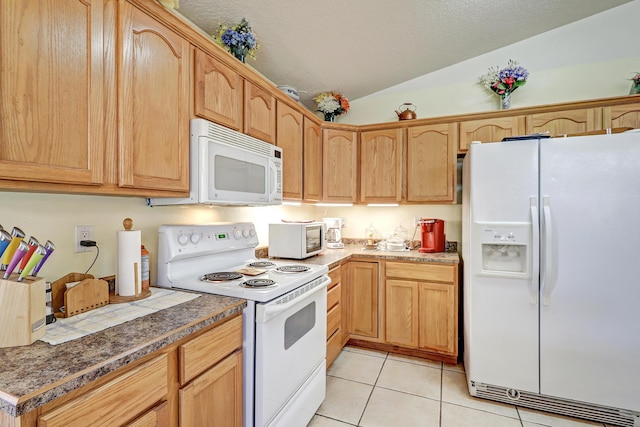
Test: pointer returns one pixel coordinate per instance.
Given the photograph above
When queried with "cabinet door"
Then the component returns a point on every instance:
(312, 154)
(51, 86)
(259, 113)
(565, 122)
(218, 91)
(489, 130)
(381, 166)
(619, 116)
(154, 100)
(289, 138)
(431, 163)
(339, 165)
(438, 317)
(214, 398)
(401, 312)
(363, 298)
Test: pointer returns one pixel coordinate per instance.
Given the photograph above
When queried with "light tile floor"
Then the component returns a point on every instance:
(376, 389)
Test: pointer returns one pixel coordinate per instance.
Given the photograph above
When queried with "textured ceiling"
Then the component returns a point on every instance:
(359, 47)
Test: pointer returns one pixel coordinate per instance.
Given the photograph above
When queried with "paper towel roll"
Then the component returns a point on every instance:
(128, 275)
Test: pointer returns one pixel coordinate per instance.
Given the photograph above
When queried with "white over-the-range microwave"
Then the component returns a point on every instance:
(230, 168)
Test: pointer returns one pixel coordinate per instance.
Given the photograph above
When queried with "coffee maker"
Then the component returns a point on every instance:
(334, 233)
(432, 235)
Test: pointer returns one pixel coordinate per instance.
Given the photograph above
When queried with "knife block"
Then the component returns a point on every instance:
(22, 310)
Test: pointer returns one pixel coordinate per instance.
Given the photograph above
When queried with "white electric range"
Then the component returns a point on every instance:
(284, 323)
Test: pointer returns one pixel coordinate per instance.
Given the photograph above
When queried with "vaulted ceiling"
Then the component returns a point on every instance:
(359, 47)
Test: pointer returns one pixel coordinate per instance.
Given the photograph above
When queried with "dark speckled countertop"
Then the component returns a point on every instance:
(33, 375)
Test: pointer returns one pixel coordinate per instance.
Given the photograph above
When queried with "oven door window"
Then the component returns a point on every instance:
(314, 238)
(297, 325)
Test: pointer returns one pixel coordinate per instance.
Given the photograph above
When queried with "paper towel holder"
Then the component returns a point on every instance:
(114, 298)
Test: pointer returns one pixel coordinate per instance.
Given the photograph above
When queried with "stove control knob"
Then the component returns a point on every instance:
(195, 238)
(237, 234)
(245, 233)
(252, 232)
(183, 239)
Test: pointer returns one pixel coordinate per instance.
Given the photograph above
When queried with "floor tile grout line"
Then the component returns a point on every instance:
(373, 389)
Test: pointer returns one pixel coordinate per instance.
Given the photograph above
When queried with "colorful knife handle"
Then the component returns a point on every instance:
(33, 245)
(16, 237)
(40, 252)
(5, 239)
(22, 249)
(49, 247)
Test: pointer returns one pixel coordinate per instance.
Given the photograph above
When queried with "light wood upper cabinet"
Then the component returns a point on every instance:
(362, 290)
(565, 122)
(431, 163)
(153, 103)
(618, 116)
(259, 113)
(218, 91)
(51, 81)
(340, 165)
(381, 166)
(290, 130)
(489, 130)
(312, 180)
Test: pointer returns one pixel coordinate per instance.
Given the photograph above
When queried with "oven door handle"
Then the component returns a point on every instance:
(264, 312)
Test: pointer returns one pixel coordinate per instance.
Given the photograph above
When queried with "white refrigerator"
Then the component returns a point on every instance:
(551, 252)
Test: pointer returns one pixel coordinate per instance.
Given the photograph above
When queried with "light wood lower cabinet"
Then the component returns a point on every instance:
(335, 306)
(215, 397)
(120, 399)
(362, 294)
(421, 309)
(195, 382)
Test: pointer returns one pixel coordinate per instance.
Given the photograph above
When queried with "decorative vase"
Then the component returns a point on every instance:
(635, 88)
(329, 117)
(239, 52)
(505, 101)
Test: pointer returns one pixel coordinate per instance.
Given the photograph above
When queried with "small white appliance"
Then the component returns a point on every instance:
(284, 323)
(551, 244)
(230, 168)
(297, 240)
(334, 233)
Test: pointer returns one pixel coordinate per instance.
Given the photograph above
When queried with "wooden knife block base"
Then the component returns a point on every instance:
(22, 311)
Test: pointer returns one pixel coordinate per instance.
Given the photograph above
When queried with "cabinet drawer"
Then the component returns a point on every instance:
(416, 271)
(202, 352)
(334, 346)
(333, 319)
(116, 401)
(333, 296)
(154, 417)
(336, 277)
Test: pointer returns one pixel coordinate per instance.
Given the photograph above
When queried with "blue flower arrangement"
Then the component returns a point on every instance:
(238, 39)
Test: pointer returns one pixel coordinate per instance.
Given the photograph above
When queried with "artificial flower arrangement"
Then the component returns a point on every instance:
(505, 81)
(635, 86)
(332, 104)
(239, 39)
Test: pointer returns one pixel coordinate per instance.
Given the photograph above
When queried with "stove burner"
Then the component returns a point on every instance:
(258, 283)
(221, 276)
(293, 269)
(261, 264)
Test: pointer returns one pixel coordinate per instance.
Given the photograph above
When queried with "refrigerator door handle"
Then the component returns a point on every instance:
(548, 255)
(535, 250)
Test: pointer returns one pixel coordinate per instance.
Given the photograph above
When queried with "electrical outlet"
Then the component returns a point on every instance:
(83, 232)
(416, 221)
(344, 222)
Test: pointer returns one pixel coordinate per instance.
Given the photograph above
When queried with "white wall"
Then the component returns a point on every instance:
(588, 59)
(591, 58)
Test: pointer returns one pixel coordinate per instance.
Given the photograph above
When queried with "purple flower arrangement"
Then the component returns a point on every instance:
(238, 39)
